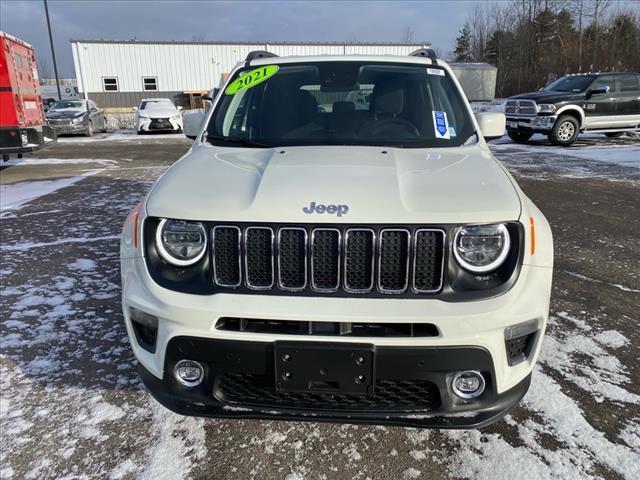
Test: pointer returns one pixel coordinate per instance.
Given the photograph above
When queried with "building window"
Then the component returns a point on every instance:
(149, 83)
(110, 84)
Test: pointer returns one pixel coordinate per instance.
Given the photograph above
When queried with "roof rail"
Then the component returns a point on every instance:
(259, 54)
(425, 52)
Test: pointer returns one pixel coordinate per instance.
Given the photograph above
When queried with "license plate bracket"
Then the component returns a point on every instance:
(339, 368)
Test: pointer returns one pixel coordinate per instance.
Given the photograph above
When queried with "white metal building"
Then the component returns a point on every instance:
(118, 74)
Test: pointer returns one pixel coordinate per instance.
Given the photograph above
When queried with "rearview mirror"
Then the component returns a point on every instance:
(191, 124)
(135, 109)
(599, 90)
(492, 124)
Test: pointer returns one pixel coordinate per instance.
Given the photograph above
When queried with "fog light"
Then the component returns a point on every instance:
(189, 373)
(468, 384)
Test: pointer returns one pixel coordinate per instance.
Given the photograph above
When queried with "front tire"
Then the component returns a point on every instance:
(565, 131)
(614, 134)
(89, 130)
(519, 137)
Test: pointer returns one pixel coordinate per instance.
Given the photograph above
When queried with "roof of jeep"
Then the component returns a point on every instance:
(344, 58)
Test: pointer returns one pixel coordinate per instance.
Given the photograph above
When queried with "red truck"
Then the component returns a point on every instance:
(23, 125)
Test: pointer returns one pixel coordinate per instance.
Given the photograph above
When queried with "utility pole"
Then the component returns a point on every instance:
(53, 53)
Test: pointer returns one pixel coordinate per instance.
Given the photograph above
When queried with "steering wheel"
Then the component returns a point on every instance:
(406, 125)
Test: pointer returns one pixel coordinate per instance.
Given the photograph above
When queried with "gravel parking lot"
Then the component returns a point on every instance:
(72, 405)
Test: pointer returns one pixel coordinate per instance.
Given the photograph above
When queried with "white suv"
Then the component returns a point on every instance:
(307, 259)
(158, 114)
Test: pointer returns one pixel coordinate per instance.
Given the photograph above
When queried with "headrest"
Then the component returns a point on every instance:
(343, 107)
(387, 98)
(307, 105)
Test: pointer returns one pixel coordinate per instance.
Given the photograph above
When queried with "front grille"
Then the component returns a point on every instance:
(389, 395)
(358, 260)
(520, 107)
(160, 123)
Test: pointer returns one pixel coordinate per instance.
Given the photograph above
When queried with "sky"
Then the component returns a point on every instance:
(435, 22)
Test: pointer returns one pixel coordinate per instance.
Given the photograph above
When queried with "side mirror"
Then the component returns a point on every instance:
(179, 108)
(94, 110)
(598, 90)
(191, 124)
(492, 124)
(135, 109)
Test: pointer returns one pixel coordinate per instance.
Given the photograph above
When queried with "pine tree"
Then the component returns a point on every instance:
(463, 45)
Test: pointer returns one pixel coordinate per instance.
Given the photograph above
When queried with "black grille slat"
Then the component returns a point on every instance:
(358, 262)
(428, 260)
(226, 256)
(389, 395)
(393, 267)
(325, 259)
(292, 258)
(259, 257)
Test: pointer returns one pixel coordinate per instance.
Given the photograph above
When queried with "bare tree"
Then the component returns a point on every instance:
(44, 71)
(407, 35)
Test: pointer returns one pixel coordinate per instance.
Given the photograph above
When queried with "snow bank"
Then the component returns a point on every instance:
(15, 195)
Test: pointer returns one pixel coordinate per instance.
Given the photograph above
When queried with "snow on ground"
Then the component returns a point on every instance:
(590, 156)
(124, 135)
(15, 195)
(72, 406)
(32, 161)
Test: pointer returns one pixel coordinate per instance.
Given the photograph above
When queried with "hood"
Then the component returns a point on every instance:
(159, 112)
(274, 185)
(548, 97)
(66, 113)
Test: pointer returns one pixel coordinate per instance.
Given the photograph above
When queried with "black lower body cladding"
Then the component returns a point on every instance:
(408, 386)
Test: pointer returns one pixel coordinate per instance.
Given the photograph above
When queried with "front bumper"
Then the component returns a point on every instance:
(69, 128)
(225, 394)
(531, 123)
(472, 325)
(159, 125)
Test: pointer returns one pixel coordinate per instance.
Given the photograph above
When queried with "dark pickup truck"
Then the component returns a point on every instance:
(606, 103)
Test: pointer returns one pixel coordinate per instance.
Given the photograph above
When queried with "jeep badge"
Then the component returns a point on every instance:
(330, 209)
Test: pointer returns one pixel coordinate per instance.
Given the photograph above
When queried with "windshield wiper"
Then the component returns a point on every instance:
(236, 140)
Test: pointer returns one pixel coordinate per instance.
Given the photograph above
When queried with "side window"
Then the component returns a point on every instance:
(149, 84)
(17, 60)
(110, 84)
(629, 83)
(604, 82)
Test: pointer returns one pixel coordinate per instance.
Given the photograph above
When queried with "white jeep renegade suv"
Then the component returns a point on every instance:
(310, 258)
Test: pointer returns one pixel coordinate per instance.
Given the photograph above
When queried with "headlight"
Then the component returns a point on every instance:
(180, 242)
(78, 119)
(481, 248)
(546, 108)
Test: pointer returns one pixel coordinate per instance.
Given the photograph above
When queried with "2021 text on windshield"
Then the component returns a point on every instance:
(343, 103)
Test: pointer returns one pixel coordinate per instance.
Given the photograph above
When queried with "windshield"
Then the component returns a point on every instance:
(575, 84)
(151, 104)
(68, 105)
(341, 103)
